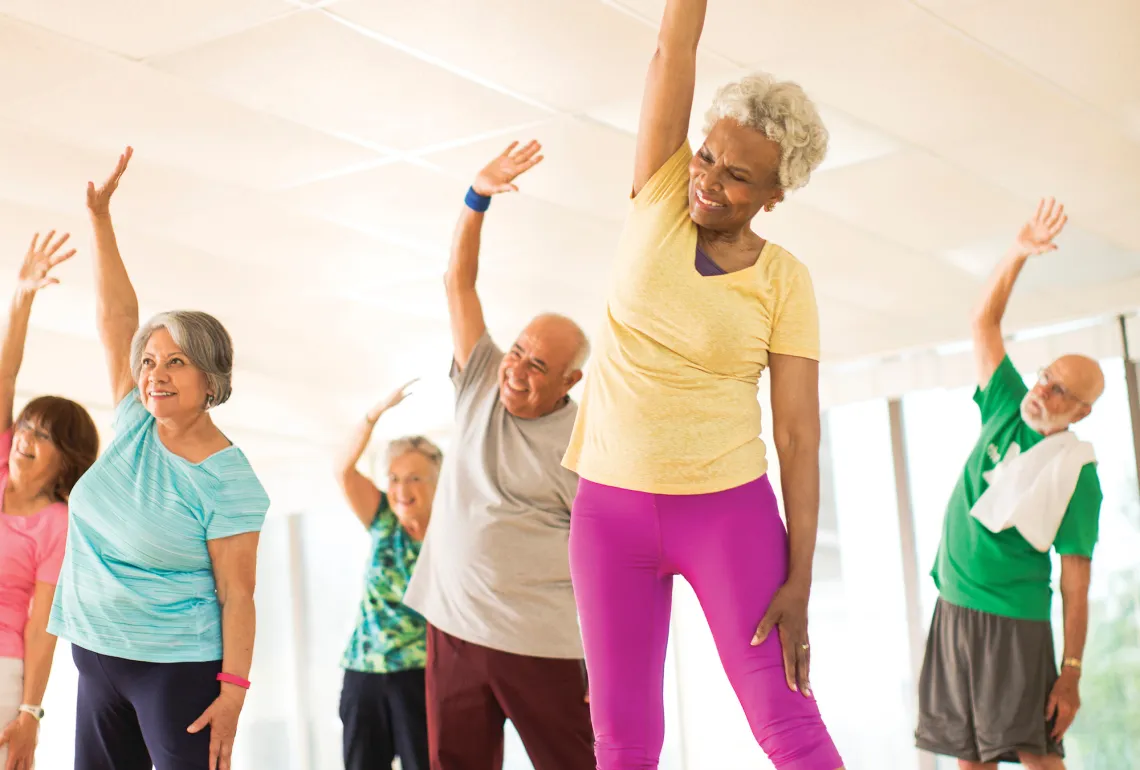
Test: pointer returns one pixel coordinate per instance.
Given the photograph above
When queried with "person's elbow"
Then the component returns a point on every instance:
(236, 592)
(799, 437)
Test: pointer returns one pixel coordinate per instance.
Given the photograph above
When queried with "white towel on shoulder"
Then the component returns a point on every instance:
(1031, 490)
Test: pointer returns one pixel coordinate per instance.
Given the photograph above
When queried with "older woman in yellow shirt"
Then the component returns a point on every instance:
(673, 472)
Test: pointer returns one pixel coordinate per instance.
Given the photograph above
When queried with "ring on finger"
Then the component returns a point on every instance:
(805, 646)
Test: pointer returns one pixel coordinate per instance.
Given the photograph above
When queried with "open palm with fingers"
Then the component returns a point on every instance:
(99, 198)
(392, 399)
(498, 175)
(42, 256)
(1036, 237)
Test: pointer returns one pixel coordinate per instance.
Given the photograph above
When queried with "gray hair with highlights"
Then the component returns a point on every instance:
(204, 341)
(781, 111)
(407, 444)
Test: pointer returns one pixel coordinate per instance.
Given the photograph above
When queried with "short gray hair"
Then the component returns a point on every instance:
(581, 350)
(782, 112)
(407, 444)
(582, 354)
(204, 341)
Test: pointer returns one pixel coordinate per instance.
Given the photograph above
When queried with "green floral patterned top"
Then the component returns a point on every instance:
(389, 636)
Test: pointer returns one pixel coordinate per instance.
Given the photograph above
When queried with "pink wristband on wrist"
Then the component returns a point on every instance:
(233, 679)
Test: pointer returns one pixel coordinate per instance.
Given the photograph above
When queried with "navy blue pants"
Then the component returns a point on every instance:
(131, 714)
(384, 717)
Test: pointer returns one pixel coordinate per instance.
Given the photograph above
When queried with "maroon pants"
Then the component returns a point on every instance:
(473, 690)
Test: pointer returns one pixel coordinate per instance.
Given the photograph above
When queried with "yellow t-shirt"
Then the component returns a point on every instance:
(670, 402)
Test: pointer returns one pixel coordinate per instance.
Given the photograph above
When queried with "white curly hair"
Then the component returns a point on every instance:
(781, 111)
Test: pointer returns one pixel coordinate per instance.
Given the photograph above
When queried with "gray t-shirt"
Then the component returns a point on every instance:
(494, 569)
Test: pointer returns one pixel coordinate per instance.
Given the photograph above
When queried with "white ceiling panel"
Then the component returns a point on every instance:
(1082, 160)
(922, 81)
(1120, 225)
(918, 200)
(1091, 50)
(314, 71)
(407, 203)
(141, 28)
(43, 60)
(172, 122)
(752, 32)
(568, 55)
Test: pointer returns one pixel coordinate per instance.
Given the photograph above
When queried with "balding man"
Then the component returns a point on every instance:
(493, 578)
(990, 691)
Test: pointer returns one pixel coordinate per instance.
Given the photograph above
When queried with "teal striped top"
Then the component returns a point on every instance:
(137, 582)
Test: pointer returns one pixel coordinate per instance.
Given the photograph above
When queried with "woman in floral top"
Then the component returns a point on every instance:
(382, 703)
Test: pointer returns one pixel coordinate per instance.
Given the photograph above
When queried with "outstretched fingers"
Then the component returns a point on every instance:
(50, 247)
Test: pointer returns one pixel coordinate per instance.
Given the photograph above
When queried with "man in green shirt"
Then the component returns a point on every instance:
(989, 690)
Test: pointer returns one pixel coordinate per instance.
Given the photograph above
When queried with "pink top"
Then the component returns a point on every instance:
(31, 551)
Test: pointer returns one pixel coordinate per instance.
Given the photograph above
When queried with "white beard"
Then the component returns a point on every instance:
(1044, 421)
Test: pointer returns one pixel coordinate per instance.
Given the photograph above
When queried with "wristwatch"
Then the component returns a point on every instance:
(35, 711)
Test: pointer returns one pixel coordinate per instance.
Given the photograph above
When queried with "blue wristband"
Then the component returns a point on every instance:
(477, 202)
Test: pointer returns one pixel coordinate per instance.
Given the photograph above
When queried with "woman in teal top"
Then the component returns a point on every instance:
(156, 590)
(382, 704)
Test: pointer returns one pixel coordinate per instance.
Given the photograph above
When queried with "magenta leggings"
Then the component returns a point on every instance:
(625, 548)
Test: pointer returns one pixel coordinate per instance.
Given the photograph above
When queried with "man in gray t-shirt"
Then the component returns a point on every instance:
(493, 577)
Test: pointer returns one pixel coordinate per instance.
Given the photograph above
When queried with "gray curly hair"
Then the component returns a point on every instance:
(204, 341)
(781, 111)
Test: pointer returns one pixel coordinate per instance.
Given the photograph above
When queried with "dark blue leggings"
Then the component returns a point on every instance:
(131, 714)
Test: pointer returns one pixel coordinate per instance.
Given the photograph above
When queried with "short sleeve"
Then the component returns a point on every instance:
(669, 181)
(382, 521)
(483, 361)
(51, 547)
(240, 505)
(795, 327)
(129, 412)
(1003, 394)
(1080, 527)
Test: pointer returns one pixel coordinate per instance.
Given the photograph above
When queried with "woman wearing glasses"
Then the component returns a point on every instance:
(382, 703)
(42, 454)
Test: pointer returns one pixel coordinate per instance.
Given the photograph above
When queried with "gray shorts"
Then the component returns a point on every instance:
(984, 686)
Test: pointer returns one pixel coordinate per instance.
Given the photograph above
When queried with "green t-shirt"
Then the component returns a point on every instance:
(1002, 573)
(389, 636)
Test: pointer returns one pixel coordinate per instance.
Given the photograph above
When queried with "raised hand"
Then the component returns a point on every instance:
(498, 175)
(42, 256)
(391, 400)
(99, 198)
(1036, 236)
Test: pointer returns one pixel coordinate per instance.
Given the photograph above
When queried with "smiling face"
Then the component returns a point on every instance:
(169, 384)
(34, 460)
(411, 486)
(534, 375)
(732, 176)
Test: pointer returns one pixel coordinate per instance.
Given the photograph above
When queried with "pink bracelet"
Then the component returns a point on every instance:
(234, 679)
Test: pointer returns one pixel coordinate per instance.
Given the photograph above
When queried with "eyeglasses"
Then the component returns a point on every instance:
(1046, 381)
